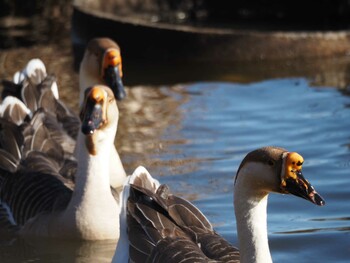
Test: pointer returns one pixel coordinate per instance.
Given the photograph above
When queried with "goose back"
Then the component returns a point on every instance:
(30, 182)
(163, 227)
(36, 89)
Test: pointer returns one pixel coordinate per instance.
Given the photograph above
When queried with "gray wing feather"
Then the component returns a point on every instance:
(33, 184)
(37, 167)
(166, 228)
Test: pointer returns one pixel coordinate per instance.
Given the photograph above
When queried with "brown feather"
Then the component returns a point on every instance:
(170, 229)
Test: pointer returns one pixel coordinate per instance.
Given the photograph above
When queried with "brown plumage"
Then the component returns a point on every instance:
(163, 227)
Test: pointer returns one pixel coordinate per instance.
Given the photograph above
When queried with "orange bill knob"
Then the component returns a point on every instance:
(96, 94)
(113, 58)
(293, 163)
(293, 181)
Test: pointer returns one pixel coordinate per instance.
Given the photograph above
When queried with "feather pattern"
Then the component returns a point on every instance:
(163, 227)
(39, 90)
(26, 187)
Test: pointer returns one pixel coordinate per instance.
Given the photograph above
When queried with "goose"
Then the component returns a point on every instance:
(101, 64)
(38, 200)
(157, 226)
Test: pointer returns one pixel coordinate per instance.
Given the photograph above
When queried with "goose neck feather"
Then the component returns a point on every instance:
(89, 73)
(251, 215)
(92, 201)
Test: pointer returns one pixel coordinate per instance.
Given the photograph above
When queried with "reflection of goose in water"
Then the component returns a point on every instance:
(101, 65)
(151, 121)
(161, 227)
(38, 199)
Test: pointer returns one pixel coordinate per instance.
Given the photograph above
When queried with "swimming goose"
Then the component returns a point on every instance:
(157, 226)
(39, 201)
(101, 64)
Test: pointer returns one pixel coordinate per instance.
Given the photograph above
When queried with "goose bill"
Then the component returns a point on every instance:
(112, 76)
(299, 186)
(91, 118)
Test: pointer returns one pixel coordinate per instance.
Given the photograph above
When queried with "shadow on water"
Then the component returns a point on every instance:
(325, 229)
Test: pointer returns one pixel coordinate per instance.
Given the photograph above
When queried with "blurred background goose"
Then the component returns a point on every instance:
(101, 64)
(38, 198)
(157, 226)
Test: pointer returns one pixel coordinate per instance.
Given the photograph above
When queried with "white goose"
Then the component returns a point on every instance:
(39, 201)
(101, 64)
(157, 226)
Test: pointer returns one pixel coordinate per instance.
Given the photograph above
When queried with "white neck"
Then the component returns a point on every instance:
(89, 75)
(250, 209)
(92, 169)
(116, 170)
(87, 79)
(93, 212)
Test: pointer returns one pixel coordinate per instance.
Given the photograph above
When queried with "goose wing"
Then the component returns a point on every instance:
(37, 90)
(41, 133)
(163, 227)
(12, 109)
(30, 182)
(42, 151)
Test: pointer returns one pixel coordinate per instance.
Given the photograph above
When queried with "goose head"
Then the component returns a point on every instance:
(99, 117)
(102, 64)
(274, 169)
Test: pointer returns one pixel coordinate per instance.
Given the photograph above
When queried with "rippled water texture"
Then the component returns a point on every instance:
(215, 124)
(193, 138)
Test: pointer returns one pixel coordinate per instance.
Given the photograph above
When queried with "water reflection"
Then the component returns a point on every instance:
(59, 57)
(23, 24)
(332, 219)
(312, 230)
(46, 250)
(145, 115)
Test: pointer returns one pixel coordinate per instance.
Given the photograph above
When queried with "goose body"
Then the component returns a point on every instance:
(39, 200)
(101, 64)
(157, 226)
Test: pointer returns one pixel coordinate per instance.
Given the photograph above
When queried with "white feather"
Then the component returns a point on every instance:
(32, 67)
(121, 254)
(18, 77)
(9, 102)
(54, 90)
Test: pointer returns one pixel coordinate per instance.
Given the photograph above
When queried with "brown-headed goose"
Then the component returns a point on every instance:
(101, 64)
(39, 201)
(157, 226)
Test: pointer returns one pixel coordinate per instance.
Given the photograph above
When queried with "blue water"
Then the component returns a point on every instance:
(218, 123)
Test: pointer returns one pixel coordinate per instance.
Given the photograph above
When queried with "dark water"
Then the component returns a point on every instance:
(193, 137)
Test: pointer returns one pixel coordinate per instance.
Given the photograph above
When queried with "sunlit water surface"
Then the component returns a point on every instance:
(193, 137)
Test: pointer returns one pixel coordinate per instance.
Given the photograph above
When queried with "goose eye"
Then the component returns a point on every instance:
(271, 163)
